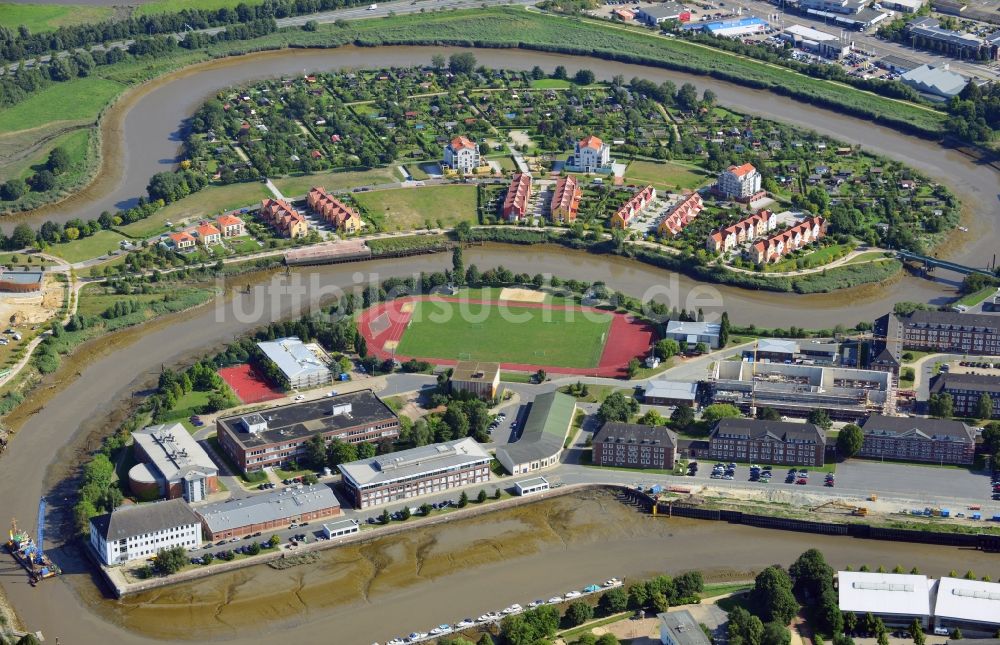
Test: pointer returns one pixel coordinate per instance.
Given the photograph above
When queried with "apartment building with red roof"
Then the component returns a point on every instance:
(515, 204)
(635, 205)
(781, 244)
(565, 200)
(231, 226)
(181, 241)
(590, 154)
(462, 155)
(680, 215)
(739, 182)
(284, 219)
(342, 217)
(207, 234)
(746, 230)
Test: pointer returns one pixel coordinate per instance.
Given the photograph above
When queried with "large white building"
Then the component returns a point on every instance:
(543, 436)
(739, 182)
(304, 365)
(970, 605)
(590, 155)
(461, 155)
(171, 464)
(139, 531)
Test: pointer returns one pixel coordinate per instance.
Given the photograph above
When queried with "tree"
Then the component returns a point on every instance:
(941, 405)
(404, 514)
(617, 407)
(850, 622)
(22, 237)
(717, 411)
(274, 541)
(768, 414)
(315, 452)
(701, 348)
(341, 452)
(775, 634)
(463, 500)
(560, 73)
(531, 627)
(457, 265)
(772, 596)
(13, 189)
(917, 633)
(633, 367)
(810, 574)
(584, 77)
(59, 161)
(42, 181)
(850, 440)
(682, 417)
(462, 63)
(254, 548)
(437, 61)
(169, 561)
(425, 509)
(578, 613)
(384, 518)
(638, 596)
(956, 634)
(614, 601)
(310, 25)
(724, 326)
(984, 407)
(481, 497)
(207, 558)
(744, 628)
(666, 348)
(820, 417)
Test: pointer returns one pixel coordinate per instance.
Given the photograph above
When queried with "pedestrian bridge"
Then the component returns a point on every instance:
(932, 263)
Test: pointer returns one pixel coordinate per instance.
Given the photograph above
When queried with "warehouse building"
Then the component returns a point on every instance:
(936, 81)
(817, 42)
(736, 28)
(236, 518)
(662, 392)
(171, 464)
(972, 606)
(543, 437)
(898, 599)
(796, 390)
(693, 333)
(937, 441)
(139, 531)
(633, 445)
(480, 378)
(304, 365)
(663, 12)
(412, 473)
(769, 442)
(277, 436)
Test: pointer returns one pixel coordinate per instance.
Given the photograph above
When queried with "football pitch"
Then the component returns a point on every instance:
(507, 333)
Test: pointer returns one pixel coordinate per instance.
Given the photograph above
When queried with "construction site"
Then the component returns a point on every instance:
(796, 390)
(34, 306)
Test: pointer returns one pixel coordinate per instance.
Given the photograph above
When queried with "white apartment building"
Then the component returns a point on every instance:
(739, 182)
(139, 531)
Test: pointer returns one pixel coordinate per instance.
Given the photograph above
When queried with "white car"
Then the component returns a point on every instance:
(372, 7)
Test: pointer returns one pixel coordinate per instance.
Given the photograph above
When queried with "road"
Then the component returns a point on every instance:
(867, 41)
(361, 12)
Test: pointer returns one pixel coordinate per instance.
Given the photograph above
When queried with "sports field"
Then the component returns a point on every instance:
(520, 328)
(511, 333)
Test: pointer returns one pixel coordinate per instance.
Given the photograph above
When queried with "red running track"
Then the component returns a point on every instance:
(249, 387)
(628, 338)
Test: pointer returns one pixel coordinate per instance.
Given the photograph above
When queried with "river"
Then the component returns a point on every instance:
(144, 131)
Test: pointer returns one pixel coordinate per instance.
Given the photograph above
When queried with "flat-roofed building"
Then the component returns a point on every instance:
(937, 441)
(267, 511)
(693, 333)
(304, 365)
(531, 486)
(171, 464)
(796, 390)
(139, 531)
(896, 598)
(776, 350)
(480, 378)
(339, 529)
(416, 472)
(966, 390)
(768, 442)
(543, 437)
(663, 392)
(633, 445)
(972, 606)
(739, 182)
(277, 435)
(680, 628)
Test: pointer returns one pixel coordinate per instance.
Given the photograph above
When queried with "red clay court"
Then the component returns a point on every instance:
(249, 387)
(384, 324)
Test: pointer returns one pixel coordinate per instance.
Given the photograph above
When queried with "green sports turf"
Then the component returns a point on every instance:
(509, 334)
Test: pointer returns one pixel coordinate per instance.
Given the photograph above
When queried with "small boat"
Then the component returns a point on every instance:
(555, 600)
(466, 622)
(591, 589)
(441, 629)
(573, 594)
(535, 603)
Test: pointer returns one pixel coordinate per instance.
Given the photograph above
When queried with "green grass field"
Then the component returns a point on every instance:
(171, 6)
(77, 100)
(550, 84)
(206, 203)
(405, 209)
(47, 17)
(511, 334)
(87, 248)
(300, 184)
(665, 175)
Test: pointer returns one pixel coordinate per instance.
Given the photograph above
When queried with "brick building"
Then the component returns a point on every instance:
(283, 218)
(565, 201)
(515, 203)
(342, 217)
(631, 445)
(267, 512)
(276, 436)
(949, 331)
(966, 390)
(412, 473)
(913, 439)
(768, 442)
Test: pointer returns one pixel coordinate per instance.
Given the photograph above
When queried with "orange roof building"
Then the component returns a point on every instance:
(284, 219)
(231, 226)
(590, 155)
(515, 204)
(565, 200)
(682, 214)
(635, 205)
(331, 209)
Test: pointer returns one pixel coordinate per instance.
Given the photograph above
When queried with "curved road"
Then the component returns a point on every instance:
(147, 127)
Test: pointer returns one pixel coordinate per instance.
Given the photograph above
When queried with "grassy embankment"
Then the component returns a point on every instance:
(48, 17)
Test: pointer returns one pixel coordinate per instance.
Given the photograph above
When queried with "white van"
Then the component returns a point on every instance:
(372, 7)
(941, 631)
